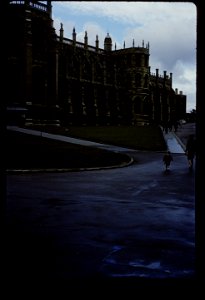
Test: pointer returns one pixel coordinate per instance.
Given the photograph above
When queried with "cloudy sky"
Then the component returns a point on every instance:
(169, 27)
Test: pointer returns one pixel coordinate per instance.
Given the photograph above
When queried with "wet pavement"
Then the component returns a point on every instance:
(135, 222)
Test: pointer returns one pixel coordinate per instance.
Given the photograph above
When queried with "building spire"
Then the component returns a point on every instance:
(97, 43)
(86, 39)
(61, 32)
(74, 35)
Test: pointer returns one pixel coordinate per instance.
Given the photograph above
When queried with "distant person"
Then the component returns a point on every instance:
(176, 126)
(167, 158)
(191, 150)
(165, 127)
(170, 125)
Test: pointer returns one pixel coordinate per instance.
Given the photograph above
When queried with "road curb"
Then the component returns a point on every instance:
(61, 170)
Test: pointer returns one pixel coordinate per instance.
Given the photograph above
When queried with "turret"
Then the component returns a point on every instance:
(49, 8)
(108, 43)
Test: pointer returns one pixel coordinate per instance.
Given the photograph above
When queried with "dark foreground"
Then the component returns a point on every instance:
(128, 225)
(127, 228)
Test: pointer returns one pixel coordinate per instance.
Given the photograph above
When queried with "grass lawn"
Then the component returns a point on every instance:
(27, 151)
(134, 137)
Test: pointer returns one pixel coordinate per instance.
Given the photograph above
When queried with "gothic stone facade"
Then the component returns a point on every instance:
(60, 78)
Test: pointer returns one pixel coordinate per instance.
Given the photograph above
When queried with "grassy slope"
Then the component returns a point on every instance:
(25, 151)
(136, 137)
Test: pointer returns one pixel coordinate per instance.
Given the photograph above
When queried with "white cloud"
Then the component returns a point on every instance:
(185, 80)
(132, 12)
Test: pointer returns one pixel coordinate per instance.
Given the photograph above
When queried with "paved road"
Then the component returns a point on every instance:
(131, 222)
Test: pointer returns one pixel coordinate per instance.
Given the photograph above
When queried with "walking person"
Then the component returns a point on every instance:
(167, 158)
(191, 151)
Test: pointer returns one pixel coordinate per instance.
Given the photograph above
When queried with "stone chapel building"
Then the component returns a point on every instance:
(56, 78)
